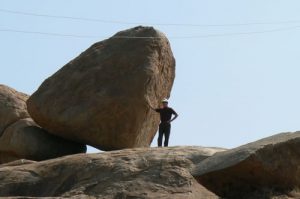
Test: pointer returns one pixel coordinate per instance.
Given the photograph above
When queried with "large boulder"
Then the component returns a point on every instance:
(12, 107)
(25, 140)
(133, 173)
(263, 168)
(101, 97)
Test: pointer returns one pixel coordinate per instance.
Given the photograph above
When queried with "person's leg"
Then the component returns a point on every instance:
(160, 136)
(167, 134)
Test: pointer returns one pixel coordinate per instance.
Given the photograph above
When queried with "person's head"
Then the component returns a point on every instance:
(165, 103)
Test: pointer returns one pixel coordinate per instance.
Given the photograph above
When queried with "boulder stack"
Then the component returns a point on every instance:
(101, 97)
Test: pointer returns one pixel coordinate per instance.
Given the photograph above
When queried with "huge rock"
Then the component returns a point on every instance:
(132, 173)
(12, 107)
(263, 168)
(25, 140)
(100, 98)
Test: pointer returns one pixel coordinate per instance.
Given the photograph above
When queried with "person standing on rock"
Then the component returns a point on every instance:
(166, 113)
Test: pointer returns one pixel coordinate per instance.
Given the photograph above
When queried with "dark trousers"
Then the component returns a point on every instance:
(164, 129)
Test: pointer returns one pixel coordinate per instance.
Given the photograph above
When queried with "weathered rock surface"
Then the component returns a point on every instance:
(25, 140)
(12, 107)
(133, 173)
(265, 168)
(100, 98)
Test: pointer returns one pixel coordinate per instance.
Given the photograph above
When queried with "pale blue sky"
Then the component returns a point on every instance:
(229, 90)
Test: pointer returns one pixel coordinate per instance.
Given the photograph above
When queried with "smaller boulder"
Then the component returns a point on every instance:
(268, 166)
(12, 106)
(26, 140)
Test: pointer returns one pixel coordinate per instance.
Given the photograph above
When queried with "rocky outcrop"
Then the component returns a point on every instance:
(133, 173)
(101, 97)
(12, 107)
(25, 140)
(265, 168)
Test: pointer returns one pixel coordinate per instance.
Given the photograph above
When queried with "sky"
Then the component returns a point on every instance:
(237, 62)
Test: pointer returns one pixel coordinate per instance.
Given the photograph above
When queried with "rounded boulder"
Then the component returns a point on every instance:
(101, 97)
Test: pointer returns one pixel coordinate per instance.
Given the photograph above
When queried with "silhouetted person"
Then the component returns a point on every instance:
(166, 113)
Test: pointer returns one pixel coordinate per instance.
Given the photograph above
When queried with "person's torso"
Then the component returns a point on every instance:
(165, 114)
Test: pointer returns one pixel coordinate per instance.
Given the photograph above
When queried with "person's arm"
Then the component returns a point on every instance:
(175, 116)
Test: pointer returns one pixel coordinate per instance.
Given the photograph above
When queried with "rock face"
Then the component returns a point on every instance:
(25, 140)
(100, 98)
(12, 107)
(132, 173)
(260, 168)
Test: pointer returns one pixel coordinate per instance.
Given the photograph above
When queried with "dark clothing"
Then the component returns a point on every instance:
(164, 129)
(165, 114)
(165, 126)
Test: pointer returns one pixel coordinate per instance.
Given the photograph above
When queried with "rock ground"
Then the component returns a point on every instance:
(133, 173)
